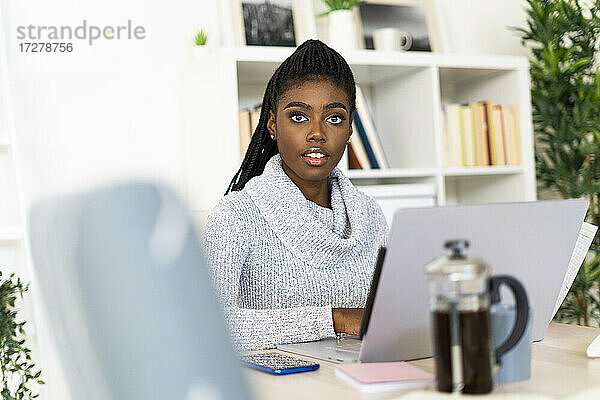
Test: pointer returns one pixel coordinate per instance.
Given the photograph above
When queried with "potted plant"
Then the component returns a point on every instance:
(564, 40)
(201, 48)
(17, 368)
(200, 38)
(342, 28)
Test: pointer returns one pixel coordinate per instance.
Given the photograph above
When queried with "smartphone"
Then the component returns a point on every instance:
(276, 363)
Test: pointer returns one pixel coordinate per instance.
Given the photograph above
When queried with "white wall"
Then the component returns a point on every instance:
(481, 26)
(105, 112)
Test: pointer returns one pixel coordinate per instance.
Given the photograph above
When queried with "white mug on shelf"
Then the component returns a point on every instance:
(391, 39)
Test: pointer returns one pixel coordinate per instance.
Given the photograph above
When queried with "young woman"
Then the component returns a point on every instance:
(292, 245)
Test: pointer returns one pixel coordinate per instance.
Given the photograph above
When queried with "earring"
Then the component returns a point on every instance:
(272, 136)
(349, 139)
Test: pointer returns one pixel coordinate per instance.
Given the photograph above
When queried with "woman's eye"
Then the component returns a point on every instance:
(335, 119)
(298, 117)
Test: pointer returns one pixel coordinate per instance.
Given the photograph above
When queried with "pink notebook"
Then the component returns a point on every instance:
(377, 377)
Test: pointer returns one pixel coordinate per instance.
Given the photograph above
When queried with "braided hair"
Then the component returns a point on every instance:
(312, 60)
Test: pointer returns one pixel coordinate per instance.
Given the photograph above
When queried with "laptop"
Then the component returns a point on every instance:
(532, 241)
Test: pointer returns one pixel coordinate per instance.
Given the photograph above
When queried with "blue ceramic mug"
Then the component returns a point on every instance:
(515, 365)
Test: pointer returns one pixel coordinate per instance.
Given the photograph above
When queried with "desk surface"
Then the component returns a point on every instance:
(559, 367)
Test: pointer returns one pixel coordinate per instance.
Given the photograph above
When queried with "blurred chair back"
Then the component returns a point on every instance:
(129, 298)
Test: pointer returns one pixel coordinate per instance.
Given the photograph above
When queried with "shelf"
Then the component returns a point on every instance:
(391, 173)
(257, 63)
(257, 71)
(431, 172)
(268, 54)
(10, 234)
(457, 75)
(406, 92)
(484, 62)
(474, 171)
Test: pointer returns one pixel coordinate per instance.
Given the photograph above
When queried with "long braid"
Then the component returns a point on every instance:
(261, 146)
(312, 59)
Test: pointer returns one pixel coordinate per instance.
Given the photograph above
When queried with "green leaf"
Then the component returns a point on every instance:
(565, 94)
(200, 38)
(15, 359)
(335, 5)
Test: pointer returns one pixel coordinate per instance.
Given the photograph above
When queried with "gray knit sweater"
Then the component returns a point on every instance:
(280, 262)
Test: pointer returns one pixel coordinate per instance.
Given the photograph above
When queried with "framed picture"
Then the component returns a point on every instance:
(271, 22)
(419, 19)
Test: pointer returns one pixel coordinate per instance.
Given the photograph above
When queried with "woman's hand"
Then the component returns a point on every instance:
(347, 320)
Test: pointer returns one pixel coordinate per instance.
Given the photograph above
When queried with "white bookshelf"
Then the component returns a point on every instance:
(406, 92)
(491, 170)
(391, 173)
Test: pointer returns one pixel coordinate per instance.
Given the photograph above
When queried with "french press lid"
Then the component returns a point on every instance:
(457, 273)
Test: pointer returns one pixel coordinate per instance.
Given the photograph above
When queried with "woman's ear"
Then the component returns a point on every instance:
(271, 126)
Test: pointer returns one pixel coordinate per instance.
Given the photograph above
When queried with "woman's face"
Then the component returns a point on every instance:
(312, 127)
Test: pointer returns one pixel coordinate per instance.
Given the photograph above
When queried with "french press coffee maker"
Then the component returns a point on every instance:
(461, 292)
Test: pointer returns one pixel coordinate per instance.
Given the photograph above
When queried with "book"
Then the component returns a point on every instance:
(384, 376)
(491, 133)
(486, 117)
(254, 118)
(365, 141)
(476, 133)
(353, 162)
(358, 148)
(368, 123)
(245, 131)
(452, 134)
(515, 137)
(481, 134)
(468, 135)
(461, 134)
(495, 134)
(508, 135)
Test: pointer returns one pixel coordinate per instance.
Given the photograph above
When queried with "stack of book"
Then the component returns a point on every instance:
(248, 121)
(365, 150)
(481, 133)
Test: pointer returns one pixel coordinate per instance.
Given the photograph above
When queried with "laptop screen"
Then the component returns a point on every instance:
(364, 323)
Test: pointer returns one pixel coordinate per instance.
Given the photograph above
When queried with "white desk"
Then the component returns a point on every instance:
(559, 367)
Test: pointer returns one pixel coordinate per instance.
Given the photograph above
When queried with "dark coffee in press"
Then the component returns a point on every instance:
(476, 351)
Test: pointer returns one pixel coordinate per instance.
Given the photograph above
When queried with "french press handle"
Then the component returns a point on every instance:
(522, 311)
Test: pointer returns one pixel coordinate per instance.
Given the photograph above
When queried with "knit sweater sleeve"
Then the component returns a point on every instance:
(227, 241)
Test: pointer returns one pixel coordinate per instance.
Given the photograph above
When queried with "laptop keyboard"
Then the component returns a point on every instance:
(346, 345)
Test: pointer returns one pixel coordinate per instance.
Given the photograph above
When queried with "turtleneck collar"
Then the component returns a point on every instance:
(287, 211)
